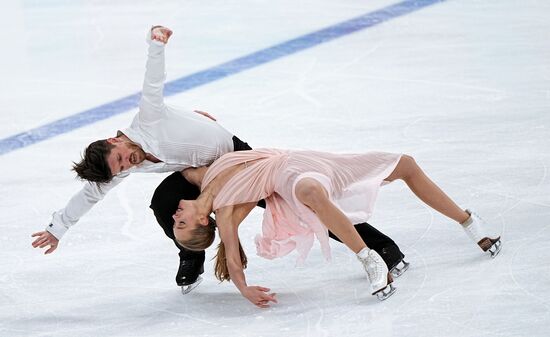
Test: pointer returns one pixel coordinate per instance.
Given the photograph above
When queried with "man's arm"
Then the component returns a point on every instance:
(66, 217)
(228, 219)
(152, 97)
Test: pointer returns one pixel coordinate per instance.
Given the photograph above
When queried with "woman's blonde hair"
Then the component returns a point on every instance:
(202, 237)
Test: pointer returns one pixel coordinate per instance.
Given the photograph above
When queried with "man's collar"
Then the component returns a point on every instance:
(135, 138)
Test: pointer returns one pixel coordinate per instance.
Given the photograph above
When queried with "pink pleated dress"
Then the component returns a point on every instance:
(351, 180)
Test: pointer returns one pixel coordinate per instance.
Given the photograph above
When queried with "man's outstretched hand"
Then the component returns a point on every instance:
(160, 33)
(45, 239)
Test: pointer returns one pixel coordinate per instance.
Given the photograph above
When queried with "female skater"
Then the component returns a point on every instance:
(306, 192)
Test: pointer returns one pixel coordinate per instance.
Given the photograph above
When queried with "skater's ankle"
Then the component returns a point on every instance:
(466, 220)
(363, 253)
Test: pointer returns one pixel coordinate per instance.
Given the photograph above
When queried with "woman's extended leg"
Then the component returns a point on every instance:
(433, 196)
(408, 170)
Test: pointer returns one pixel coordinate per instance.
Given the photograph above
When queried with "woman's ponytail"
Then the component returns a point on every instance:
(220, 266)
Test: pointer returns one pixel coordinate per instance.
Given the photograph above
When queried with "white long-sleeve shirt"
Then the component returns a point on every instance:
(179, 138)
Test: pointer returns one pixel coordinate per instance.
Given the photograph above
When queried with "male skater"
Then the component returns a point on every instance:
(161, 138)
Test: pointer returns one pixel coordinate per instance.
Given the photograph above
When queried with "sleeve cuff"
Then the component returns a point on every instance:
(56, 230)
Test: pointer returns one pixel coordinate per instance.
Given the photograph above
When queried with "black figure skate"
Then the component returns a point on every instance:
(188, 277)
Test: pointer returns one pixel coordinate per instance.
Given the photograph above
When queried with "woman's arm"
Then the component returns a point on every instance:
(228, 219)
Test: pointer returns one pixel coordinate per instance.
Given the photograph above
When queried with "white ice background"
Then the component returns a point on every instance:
(463, 86)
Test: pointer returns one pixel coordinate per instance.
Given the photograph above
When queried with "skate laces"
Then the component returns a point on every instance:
(373, 264)
(374, 267)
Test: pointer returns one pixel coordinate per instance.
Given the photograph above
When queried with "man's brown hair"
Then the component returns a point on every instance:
(94, 167)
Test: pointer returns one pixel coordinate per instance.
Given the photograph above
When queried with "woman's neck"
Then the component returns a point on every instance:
(205, 202)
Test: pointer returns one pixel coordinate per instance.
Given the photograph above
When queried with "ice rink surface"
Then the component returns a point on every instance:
(462, 85)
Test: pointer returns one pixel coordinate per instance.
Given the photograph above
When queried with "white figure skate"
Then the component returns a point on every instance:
(474, 228)
(377, 272)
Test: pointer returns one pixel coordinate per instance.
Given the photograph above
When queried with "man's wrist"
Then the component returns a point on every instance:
(56, 231)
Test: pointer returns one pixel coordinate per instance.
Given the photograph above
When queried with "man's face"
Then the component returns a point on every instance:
(186, 219)
(124, 155)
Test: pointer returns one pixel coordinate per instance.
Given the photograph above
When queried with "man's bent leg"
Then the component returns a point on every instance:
(164, 204)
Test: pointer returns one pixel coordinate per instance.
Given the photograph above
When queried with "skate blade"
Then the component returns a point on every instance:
(188, 288)
(400, 268)
(495, 248)
(387, 291)
(384, 293)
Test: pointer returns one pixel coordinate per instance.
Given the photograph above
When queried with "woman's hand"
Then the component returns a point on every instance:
(205, 114)
(259, 296)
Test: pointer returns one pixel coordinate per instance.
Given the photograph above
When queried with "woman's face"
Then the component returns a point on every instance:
(186, 219)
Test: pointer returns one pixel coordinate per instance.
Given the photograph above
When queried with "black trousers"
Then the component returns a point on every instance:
(175, 187)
